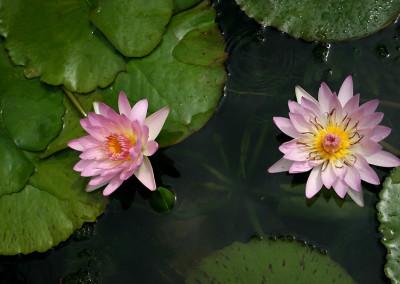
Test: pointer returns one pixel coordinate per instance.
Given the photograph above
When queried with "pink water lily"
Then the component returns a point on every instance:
(118, 145)
(336, 139)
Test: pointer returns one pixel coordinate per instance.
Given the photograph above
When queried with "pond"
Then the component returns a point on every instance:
(219, 174)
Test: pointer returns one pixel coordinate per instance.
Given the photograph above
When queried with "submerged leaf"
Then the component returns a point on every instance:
(162, 199)
(134, 27)
(388, 215)
(191, 89)
(326, 21)
(55, 41)
(268, 261)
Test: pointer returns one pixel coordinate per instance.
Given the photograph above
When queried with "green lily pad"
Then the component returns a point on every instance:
(55, 41)
(268, 261)
(71, 128)
(388, 215)
(331, 20)
(49, 208)
(191, 88)
(180, 5)
(134, 27)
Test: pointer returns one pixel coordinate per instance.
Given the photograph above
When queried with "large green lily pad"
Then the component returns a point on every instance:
(180, 5)
(329, 20)
(190, 86)
(388, 215)
(42, 202)
(49, 208)
(134, 27)
(55, 41)
(269, 261)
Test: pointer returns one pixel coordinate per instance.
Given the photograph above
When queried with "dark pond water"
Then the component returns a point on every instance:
(219, 174)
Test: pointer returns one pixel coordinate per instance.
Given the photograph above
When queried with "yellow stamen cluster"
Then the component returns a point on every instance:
(331, 141)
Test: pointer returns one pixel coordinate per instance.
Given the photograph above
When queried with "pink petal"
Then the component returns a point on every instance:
(324, 96)
(145, 174)
(353, 179)
(156, 121)
(369, 107)
(328, 176)
(90, 188)
(101, 179)
(123, 104)
(107, 111)
(299, 123)
(150, 148)
(383, 159)
(288, 146)
(296, 154)
(82, 164)
(94, 153)
(314, 182)
(357, 196)
(300, 93)
(83, 143)
(380, 132)
(295, 107)
(281, 165)
(352, 104)
(366, 148)
(97, 132)
(341, 188)
(139, 111)
(334, 103)
(366, 172)
(114, 183)
(286, 126)
(340, 172)
(312, 108)
(370, 120)
(128, 172)
(346, 91)
(300, 167)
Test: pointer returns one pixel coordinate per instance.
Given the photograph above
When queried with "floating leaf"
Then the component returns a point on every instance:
(388, 215)
(180, 5)
(134, 27)
(162, 199)
(55, 41)
(325, 21)
(72, 128)
(192, 91)
(49, 208)
(269, 261)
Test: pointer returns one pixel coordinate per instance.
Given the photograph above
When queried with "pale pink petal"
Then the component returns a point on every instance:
(128, 171)
(353, 179)
(90, 188)
(94, 153)
(145, 174)
(312, 108)
(114, 183)
(314, 182)
(324, 96)
(340, 187)
(357, 196)
(123, 104)
(91, 171)
(96, 107)
(100, 180)
(380, 132)
(340, 171)
(366, 172)
(82, 164)
(97, 132)
(281, 165)
(150, 148)
(369, 107)
(366, 148)
(295, 107)
(334, 104)
(288, 146)
(352, 104)
(286, 126)
(296, 154)
(139, 111)
(370, 120)
(299, 123)
(300, 167)
(300, 93)
(83, 143)
(108, 112)
(156, 121)
(328, 176)
(383, 159)
(346, 91)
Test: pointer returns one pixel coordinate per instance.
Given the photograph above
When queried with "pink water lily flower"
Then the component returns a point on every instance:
(118, 144)
(336, 139)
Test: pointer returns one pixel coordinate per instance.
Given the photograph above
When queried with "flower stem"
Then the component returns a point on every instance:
(392, 149)
(254, 218)
(74, 101)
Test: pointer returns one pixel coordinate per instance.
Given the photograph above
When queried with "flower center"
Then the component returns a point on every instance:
(118, 146)
(332, 143)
